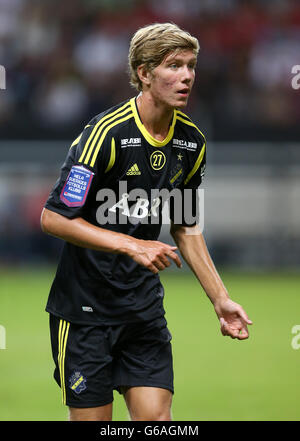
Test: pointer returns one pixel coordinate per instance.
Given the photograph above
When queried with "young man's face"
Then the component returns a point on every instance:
(173, 79)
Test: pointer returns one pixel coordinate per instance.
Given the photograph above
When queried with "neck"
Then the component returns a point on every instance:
(155, 117)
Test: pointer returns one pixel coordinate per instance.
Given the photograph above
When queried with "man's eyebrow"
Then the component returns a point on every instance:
(179, 57)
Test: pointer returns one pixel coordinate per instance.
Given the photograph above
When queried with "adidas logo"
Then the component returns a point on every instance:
(134, 170)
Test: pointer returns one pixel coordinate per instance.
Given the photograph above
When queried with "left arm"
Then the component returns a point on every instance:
(192, 246)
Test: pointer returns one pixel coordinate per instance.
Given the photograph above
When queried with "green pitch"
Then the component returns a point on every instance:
(216, 378)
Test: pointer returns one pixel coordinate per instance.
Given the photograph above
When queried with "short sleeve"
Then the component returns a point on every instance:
(76, 185)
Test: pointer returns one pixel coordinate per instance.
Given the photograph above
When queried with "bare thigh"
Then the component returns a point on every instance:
(148, 403)
(100, 413)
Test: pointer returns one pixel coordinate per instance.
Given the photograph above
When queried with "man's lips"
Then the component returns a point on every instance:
(184, 92)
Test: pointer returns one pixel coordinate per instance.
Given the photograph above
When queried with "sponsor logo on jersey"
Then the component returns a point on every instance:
(87, 309)
(157, 160)
(181, 144)
(130, 142)
(77, 382)
(134, 170)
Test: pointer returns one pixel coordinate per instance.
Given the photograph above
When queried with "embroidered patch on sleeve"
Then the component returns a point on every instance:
(76, 188)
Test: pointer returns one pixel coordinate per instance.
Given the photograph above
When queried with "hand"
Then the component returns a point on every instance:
(233, 319)
(154, 255)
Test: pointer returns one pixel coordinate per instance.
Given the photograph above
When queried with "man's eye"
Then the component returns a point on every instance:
(173, 66)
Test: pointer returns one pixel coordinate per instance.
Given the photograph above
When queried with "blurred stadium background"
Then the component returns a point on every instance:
(67, 61)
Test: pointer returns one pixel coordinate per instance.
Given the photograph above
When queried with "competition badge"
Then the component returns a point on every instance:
(77, 186)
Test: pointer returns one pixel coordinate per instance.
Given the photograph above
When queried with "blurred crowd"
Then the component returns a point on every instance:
(67, 61)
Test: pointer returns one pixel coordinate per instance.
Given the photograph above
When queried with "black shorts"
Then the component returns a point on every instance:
(92, 361)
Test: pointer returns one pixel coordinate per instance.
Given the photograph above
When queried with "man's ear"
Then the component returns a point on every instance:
(144, 75)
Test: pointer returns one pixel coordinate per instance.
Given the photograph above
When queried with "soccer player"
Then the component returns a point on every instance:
(108, 329)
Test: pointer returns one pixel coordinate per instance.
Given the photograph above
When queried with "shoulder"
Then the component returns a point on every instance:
(188, 124)
(195, 143)
(98, 135)
(113, 116)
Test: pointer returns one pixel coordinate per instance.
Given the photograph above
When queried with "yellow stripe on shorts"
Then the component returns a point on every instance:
(62, 343)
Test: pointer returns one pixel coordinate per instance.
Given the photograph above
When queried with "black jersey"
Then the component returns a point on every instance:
(110, 178)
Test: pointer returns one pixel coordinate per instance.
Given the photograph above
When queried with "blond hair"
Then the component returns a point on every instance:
(152, 43)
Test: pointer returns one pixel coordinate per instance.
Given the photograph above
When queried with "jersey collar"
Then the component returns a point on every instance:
(151, 140)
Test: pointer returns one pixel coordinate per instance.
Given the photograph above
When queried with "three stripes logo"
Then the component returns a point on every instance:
(134, 170)
(62, 342)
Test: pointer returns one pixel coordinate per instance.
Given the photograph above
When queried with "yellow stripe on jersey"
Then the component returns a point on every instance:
(100, 130)
(189, 123)
(201, 154)
(196, 165)
(79, 137)
(112, 155)
(97, 129)
(62, 342)
(76, 141)
(119, 121)
(184, 115)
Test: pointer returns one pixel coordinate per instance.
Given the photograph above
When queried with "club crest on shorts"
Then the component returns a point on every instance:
(77, 382)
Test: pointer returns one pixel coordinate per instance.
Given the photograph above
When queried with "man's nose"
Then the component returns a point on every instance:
(187, 75)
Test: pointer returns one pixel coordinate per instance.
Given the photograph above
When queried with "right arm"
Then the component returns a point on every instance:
(148, 253)
(65, 221)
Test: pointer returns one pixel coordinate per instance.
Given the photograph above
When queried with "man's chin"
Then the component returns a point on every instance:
(181, 104)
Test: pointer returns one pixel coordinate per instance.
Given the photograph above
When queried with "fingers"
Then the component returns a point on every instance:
(243, 334)
(224, 327)
(152, 268)
(162, 262)
(159, 260)
(165, 262)
(240, 332)
(175, 257)
(244, 316)
(237, 327)
(243, 330)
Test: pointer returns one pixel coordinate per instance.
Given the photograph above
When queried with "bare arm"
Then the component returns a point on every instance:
(192, 246)
(151, 254)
